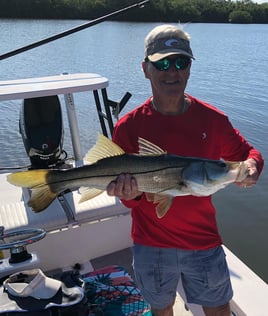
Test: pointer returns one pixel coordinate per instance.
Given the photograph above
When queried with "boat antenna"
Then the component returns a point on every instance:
(71, 31)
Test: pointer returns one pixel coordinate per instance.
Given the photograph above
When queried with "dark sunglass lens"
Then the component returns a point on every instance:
(162, 64)
(182, 62)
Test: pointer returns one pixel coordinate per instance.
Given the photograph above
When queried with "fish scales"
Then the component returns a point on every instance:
(153, 173)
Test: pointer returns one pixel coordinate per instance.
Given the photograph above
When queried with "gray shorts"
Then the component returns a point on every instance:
(204, 275)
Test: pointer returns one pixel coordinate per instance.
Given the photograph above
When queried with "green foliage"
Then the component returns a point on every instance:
(209, 11)
(240, 16)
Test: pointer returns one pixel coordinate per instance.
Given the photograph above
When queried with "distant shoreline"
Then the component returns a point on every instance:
(194, 11)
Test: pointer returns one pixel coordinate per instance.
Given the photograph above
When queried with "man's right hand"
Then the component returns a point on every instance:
(125, 187)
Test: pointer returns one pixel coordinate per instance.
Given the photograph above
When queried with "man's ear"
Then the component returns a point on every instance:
(189, 70)
(144, 68)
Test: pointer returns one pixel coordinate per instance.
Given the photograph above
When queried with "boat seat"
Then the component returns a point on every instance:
(15, 214)
(101, 207)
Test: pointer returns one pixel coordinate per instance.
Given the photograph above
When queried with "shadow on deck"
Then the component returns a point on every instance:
(122, 258)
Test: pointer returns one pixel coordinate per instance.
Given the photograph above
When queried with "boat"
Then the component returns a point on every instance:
(95, 234)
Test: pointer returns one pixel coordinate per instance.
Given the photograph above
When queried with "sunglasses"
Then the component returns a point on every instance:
(180, 63)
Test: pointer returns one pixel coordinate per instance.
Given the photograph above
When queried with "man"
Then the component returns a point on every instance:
(185, 243)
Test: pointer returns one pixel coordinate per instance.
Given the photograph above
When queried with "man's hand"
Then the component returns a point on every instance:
(125, 187)
(253, 174)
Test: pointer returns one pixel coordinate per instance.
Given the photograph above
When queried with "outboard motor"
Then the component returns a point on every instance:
(41, 128)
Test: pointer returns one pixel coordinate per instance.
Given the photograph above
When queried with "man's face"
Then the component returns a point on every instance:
(170, 82)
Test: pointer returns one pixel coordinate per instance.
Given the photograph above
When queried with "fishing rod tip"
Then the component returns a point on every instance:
(142, 4)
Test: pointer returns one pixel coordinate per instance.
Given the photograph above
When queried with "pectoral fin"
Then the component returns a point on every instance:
(163, 203)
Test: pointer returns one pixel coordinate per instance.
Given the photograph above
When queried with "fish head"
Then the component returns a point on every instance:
(205, 177)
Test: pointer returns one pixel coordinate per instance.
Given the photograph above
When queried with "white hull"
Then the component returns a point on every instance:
(79, 233)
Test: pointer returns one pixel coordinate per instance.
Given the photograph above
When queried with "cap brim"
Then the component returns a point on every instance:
(160, 55)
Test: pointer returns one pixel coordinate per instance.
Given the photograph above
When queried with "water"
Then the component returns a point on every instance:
(230, 71)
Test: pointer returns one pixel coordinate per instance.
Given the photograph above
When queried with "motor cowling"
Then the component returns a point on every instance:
(41, 128)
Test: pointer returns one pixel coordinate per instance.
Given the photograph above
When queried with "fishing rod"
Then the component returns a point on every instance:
(71, 31)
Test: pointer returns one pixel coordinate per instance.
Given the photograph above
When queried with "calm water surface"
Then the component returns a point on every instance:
(230, 71)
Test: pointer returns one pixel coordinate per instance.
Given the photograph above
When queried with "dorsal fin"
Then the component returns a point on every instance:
(147, 148)
(103, 148)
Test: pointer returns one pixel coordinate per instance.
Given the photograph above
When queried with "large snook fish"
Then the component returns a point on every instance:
(160, 175)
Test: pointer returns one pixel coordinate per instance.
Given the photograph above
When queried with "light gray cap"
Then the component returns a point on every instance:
(166, 40)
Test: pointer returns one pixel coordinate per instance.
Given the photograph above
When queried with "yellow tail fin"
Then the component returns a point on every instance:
(41, 198)
(28, 179)
(36, 180)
